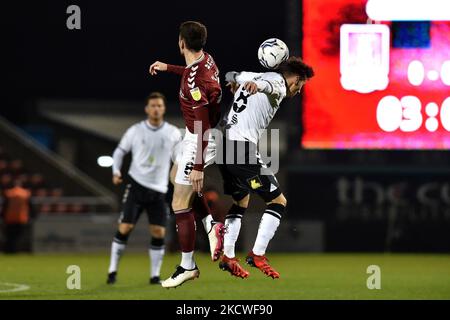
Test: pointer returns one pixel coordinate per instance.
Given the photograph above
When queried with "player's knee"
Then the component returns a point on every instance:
(281, 199)
(179, 204)
(242, 201)
(157, 232)
(275, 210)
(121, 237)
(236, 212)
(126, 228)
(181, 200)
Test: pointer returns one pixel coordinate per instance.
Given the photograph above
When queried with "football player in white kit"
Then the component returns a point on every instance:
(257, 98)
(154, 144)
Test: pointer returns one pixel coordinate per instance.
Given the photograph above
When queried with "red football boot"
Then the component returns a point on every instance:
(233, 267)
(262, 263)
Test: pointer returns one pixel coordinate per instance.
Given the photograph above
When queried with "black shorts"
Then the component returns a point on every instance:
(138, 198)
(250, 176)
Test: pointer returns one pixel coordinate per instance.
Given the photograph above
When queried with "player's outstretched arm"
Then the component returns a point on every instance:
(156, 67)
(164, 67)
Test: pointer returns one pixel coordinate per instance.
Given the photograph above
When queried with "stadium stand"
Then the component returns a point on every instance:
(37, 169)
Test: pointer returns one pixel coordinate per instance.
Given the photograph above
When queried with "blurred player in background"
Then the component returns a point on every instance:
(257, 97)
(17, 214)
(199, 96)
(153, 144)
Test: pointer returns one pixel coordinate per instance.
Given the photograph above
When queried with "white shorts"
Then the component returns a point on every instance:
(188, 152)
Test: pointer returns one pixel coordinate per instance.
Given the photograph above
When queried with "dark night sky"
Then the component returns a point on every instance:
(109, 57)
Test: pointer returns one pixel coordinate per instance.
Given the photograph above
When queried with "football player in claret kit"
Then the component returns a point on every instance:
(199, 97)
(257, 98)
(154, 144)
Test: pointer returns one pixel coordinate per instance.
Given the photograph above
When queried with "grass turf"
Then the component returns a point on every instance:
(303, 276)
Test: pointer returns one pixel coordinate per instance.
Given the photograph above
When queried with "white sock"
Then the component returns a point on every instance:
(117, 250)
(187, 260)
(233, 226)
(156, 259)
(267, 228)
(207, 223)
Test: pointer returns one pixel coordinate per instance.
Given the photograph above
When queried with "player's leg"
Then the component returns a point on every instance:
(118, 247)
(233, 224)
(241, 198)
(157, 212)
(214, 229)
(186, 228)
(184, 213)
(128, 218)
(156, 252)
(185, 221)
(276, 205)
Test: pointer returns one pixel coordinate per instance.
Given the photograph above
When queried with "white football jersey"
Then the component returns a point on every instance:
(249, 114)
(152, 150)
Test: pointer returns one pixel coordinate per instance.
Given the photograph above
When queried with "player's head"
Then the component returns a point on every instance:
(296, 73)
(192, 36)
(156, 106)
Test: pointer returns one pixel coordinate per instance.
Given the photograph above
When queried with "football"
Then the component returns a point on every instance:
(272, 53)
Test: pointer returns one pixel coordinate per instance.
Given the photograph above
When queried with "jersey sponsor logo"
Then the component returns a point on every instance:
(196, 94)
(255, 183)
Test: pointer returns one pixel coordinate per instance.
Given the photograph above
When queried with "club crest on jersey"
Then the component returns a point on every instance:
(255, 183)
(196, 94)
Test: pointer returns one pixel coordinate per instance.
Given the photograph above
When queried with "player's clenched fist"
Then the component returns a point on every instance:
(157, 66)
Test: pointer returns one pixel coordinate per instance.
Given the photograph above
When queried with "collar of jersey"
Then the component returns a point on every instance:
(196, 61)
(149, 126)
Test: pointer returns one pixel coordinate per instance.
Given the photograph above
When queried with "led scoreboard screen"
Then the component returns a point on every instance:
(382, 74)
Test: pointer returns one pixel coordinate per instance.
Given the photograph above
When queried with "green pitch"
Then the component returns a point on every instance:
(303, 276)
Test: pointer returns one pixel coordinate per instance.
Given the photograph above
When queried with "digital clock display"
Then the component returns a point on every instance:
(378, 85)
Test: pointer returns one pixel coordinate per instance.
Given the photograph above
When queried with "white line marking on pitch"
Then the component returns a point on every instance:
(16, 287)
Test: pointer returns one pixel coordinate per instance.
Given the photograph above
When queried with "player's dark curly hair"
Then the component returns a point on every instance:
(194, 35)
(295, 65)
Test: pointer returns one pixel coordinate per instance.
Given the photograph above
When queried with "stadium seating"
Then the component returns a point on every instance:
(47, 197)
